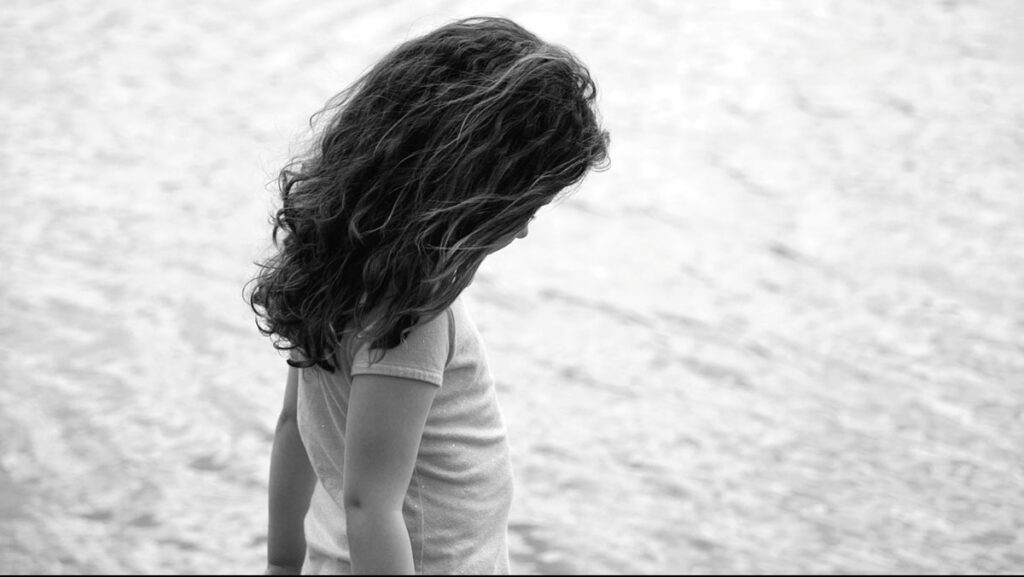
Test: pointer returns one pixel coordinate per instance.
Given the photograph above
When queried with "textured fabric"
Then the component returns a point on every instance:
(457, 505)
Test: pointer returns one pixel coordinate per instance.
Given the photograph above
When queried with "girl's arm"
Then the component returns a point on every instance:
(386, 416)
(291, 485)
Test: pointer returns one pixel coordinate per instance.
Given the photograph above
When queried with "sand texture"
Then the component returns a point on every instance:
(783, 333)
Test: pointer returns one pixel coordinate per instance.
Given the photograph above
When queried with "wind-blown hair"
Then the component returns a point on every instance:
(442, 150)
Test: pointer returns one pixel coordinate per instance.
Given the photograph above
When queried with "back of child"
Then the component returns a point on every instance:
(391, 454)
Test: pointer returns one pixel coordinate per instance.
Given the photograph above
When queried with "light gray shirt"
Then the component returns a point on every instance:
(457, 504)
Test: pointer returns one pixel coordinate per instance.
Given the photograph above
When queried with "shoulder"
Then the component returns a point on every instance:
(464, 327)
(423, 355)
(434, 333)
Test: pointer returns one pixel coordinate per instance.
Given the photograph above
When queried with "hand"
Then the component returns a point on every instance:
(282, 570)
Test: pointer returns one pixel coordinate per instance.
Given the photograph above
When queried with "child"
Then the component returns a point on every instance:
(390, 454)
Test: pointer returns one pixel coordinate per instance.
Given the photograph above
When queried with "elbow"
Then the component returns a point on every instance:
(357, 514)
(352, 503)
(355, 501)
(357, 504)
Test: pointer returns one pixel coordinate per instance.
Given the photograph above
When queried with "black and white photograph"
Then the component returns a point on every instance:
(512, 287)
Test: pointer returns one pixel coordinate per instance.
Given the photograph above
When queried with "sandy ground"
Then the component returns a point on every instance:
(784, 333)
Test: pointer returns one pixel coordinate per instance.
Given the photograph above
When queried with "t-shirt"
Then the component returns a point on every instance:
(457, 505)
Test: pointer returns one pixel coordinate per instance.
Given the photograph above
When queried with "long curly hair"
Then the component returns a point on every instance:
(422, 167)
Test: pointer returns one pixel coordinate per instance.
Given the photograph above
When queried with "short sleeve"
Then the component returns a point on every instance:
(423, 355)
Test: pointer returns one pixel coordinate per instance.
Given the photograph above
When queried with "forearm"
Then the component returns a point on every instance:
(291, 485)
(378, 542)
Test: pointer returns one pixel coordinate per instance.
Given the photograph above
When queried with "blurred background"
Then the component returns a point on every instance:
(783, 333)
